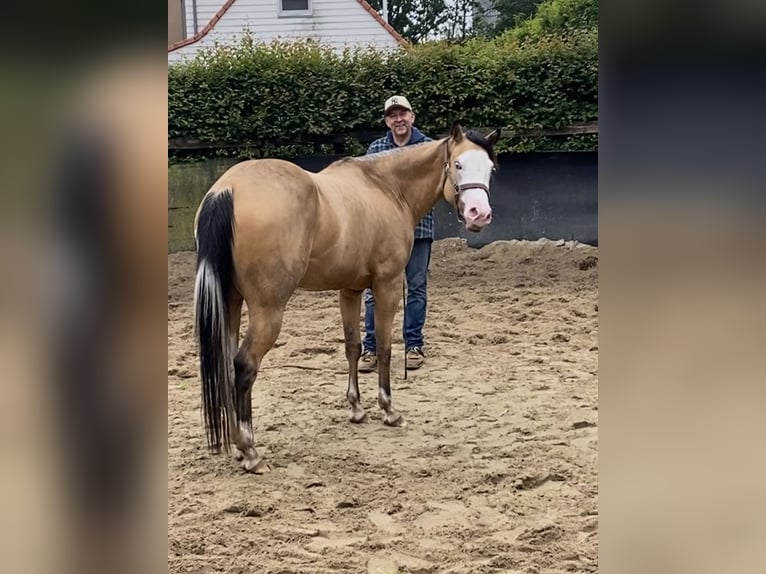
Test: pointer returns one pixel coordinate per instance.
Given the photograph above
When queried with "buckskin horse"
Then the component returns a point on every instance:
(267, 227)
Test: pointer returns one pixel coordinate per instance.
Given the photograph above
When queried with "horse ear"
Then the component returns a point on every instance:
(493, 137)
(456, 133)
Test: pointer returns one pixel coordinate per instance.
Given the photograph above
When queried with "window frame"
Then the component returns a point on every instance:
(295, 13)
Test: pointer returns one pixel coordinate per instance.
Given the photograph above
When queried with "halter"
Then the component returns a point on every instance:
(457, 188)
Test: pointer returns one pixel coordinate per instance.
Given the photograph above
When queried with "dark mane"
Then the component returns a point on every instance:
(482, 142)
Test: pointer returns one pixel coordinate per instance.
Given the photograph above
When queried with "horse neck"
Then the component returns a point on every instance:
(417, 175)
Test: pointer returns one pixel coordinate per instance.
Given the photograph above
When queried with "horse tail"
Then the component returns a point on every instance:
(214, 234)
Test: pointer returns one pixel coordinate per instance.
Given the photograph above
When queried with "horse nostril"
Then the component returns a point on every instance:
(473, 212)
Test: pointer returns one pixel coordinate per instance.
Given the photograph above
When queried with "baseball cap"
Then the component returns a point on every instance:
(397, 101)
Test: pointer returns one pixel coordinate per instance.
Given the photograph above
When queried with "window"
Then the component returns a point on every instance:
(294, 7)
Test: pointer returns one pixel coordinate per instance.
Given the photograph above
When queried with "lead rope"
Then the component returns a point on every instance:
(404, 319)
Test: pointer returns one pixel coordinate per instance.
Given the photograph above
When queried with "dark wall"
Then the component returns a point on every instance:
(534, 195)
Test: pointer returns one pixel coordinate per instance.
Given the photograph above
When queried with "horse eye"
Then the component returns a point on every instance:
(458, 166)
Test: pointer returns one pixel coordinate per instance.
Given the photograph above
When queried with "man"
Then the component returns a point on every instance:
(399, 119)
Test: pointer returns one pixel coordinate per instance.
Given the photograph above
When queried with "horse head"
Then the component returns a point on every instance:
(469, 162)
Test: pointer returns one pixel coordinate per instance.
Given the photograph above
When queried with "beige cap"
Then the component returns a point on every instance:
(397, 101)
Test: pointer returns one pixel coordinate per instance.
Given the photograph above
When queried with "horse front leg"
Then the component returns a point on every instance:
(350, 306)
(386, 298)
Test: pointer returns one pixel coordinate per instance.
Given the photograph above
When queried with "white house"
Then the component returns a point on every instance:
(194, 24)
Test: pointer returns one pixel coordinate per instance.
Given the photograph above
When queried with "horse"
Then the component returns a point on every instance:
(267, 227)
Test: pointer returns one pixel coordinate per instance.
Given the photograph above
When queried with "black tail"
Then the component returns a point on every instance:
(214, 234)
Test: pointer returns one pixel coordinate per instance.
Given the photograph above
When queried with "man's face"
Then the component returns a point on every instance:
(399, 121)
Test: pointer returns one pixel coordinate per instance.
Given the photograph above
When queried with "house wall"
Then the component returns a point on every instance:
(335, 22)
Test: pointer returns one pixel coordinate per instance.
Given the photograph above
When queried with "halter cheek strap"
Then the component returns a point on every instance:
(446, 173)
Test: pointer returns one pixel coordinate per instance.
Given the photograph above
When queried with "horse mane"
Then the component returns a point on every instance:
(374, 170)
(374, 156)
(482, 142)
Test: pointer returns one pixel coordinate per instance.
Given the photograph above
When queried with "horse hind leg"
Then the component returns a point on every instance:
(263, 330)
(235, 320)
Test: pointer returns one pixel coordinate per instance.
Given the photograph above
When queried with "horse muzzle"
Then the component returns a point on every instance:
(477, 219)
(473, 205)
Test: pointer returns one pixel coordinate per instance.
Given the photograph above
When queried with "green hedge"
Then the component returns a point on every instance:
(266, 97)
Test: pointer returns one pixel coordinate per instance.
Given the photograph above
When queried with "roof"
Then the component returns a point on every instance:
(210, 25)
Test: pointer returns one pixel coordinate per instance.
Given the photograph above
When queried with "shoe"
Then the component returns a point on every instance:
(368, 362)
(415, 358)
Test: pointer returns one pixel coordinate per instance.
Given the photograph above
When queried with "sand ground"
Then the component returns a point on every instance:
(494, 472)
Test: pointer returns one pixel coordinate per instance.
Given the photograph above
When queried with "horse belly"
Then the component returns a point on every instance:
(324, 275)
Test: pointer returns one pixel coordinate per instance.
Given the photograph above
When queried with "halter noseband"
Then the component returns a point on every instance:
(457, 188)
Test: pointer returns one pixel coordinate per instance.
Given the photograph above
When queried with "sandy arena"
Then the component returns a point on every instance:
(494, 472)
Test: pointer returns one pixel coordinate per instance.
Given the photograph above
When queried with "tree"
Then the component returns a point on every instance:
(415, 20)
(557, 16)
(458, 24)
(493, 17)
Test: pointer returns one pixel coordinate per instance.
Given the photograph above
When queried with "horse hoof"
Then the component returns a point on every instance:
(394, 420)
(255, 466)
(358, 417)
(238, 454)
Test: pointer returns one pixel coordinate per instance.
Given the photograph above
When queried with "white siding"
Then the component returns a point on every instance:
(335, 22)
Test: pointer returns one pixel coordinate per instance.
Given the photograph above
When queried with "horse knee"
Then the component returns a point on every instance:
(353, 351)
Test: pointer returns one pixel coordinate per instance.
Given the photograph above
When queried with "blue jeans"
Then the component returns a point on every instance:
(417, 299)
